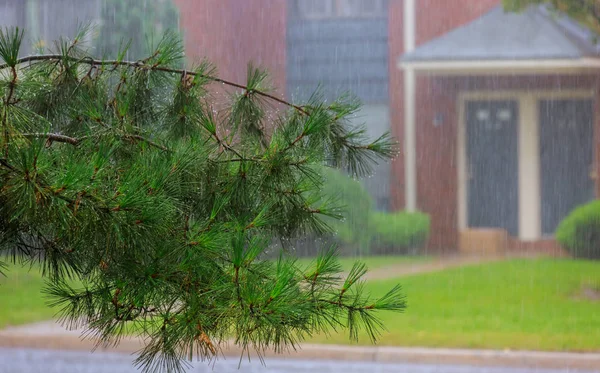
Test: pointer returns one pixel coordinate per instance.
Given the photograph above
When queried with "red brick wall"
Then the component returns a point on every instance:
(436, 161)
(231, 33)
(436, 17)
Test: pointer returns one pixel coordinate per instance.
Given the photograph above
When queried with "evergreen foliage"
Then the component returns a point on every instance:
(586, 12)
(133, 178)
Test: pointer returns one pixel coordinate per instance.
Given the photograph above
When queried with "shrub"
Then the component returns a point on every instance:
(579, 233)
(398, 233)
(352, 233)
(364, 231)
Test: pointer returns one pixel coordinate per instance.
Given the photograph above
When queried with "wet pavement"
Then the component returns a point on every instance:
(47, 361)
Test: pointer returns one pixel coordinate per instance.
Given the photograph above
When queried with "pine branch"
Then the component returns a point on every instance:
(172, 242)
(54, 137)
(142, 65)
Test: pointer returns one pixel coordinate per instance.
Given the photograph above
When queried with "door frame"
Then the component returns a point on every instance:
(529, 194)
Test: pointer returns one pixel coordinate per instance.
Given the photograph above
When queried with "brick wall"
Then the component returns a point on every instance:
(437, 17)
(231, 33)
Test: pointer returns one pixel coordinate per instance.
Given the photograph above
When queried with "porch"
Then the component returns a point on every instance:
(506, 131)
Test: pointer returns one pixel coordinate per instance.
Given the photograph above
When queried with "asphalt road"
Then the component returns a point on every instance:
(45, 361)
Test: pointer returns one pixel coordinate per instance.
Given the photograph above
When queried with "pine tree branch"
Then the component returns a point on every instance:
(55, 137)
(141, 64)
(58, 193)
(149, 142)
(8, 102)
(7, 165)
(172, 230)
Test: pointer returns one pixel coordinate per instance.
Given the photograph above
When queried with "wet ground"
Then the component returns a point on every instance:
(46, 361)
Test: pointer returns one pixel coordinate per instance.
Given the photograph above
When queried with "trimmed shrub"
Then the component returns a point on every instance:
(352, 233)
(579, 233)
(364, 231)
(398, 233)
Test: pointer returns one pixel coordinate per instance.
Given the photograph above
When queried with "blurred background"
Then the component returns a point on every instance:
(488, 215)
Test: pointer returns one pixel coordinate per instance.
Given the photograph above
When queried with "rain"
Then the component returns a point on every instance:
(486, 214)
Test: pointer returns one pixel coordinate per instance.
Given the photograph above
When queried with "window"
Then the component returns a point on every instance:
(360, 8)
(316, 8)
(341, 8)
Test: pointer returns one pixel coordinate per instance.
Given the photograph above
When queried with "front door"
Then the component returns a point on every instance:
(566, 151)
(492, 156)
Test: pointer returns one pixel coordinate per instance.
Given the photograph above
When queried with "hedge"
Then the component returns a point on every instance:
(398, 233)
(368, 232)
(579, 232)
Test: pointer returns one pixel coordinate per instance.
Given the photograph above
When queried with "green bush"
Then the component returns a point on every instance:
(579, 233)
(398, 233)
(365, 231)
(352, 233)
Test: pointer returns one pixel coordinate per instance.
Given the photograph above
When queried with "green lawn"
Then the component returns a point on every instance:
(20, 297)
(21, 301)
(375, 262)
(517, 304)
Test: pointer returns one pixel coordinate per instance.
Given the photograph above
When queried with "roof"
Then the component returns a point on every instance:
(537, 33)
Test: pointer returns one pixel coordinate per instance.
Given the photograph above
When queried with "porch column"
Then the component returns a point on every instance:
(410, 153)
(529, 169)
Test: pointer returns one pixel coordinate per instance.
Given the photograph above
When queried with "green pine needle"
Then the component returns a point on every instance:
(162, 202)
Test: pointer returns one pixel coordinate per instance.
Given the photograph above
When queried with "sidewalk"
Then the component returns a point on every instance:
(48, 335)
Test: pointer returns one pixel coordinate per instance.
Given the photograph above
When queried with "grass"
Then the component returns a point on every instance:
(374, 262)
(517, 304)
(21, 300)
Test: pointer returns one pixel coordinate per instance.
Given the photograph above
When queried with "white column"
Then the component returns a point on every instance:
(410, 153)
(461, 161)
(529, 169)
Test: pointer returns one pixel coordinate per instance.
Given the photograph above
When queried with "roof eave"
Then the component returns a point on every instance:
(525, 66)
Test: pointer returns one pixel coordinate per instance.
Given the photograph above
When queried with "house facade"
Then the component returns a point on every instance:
(481, 101)
(496, 113)
(505, 126)
(341, 45)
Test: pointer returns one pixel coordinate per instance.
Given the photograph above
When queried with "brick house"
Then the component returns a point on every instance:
(496, 112)
(342, 44)
(504, 126)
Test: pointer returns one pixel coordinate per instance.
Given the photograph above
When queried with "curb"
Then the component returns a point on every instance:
(517, 359)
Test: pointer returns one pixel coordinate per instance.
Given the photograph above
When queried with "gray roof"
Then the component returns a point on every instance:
(536, 33)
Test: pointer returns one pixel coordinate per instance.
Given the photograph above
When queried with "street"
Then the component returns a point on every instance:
(47, 361)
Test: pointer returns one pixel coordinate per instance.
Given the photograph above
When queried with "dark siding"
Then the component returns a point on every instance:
(343, 54)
